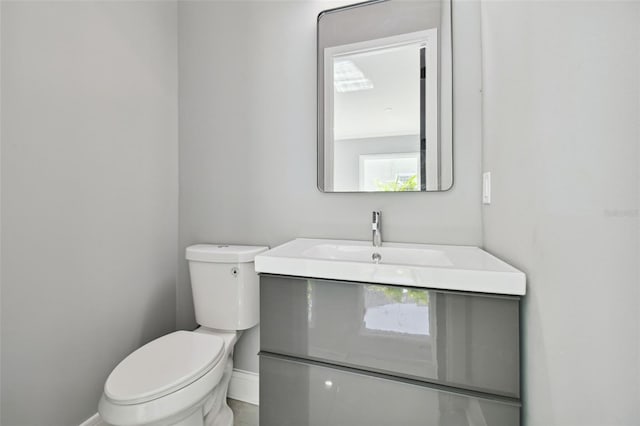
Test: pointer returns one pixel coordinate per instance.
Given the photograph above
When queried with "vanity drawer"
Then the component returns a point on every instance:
(295, 393)
(463, 340)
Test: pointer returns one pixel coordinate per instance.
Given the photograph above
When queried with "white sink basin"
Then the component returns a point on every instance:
(388, 254)
(459, 268)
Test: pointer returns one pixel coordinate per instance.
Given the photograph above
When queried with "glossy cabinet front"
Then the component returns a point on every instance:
(437, 355)
(294, 393)
(462, 340)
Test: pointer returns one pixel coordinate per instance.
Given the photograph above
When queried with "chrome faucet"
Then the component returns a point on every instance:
(376, 229)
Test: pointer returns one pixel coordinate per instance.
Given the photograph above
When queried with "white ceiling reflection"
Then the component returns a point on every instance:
(391, 106)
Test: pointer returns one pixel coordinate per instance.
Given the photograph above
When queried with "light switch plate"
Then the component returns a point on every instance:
(486, 188)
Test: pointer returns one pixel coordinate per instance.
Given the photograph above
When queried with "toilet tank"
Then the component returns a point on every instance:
(225, 286)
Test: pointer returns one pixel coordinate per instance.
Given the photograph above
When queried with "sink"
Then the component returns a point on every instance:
(388, 254)
(459, 268)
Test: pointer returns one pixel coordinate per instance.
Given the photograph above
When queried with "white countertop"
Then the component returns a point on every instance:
(460, 268)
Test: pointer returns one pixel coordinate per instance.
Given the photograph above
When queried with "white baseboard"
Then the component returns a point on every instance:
(244, 386)
(94, 420)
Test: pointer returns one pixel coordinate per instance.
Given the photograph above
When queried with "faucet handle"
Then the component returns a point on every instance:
(375, 219)
(375, 228)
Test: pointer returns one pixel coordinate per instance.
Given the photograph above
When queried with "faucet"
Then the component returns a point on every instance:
(375, 227)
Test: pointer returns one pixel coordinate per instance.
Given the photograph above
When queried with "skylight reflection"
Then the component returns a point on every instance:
(347, 77)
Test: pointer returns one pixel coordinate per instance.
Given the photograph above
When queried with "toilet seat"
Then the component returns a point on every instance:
(163, 366)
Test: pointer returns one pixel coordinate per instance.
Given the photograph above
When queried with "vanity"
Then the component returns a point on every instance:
(360, 334)
(425, 335)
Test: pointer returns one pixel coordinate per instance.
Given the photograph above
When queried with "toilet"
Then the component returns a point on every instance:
(181, 379)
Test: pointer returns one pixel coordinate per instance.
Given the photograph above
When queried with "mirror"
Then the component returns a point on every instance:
(385, 97)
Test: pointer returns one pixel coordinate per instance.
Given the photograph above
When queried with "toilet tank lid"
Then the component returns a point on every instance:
(223, 253)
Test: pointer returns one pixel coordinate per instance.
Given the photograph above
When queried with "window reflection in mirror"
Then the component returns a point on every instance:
(384, 97)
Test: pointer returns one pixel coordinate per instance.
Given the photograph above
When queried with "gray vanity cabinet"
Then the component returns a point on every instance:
(343, 353)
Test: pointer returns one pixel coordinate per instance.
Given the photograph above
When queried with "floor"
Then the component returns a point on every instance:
(244, 414)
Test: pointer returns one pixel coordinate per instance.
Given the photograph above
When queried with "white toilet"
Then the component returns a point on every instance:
(182, 378)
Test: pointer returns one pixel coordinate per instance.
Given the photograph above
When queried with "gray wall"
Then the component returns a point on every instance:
(248, 141)
(561, 111)
(0, 214)
(89, 198)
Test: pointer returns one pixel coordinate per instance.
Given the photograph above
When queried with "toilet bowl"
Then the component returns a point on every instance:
(182, 378)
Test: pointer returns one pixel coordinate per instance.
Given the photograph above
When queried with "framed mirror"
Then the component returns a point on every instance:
(385, 121)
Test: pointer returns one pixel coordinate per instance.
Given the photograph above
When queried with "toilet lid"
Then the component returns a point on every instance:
(163, 366)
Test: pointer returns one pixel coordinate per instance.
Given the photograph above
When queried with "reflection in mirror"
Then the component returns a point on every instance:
(384, 93)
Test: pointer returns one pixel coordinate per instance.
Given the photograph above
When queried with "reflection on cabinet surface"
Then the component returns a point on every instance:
(446, 354)
(294, 393)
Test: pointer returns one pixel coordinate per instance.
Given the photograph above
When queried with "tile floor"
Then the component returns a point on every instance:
(244, 414)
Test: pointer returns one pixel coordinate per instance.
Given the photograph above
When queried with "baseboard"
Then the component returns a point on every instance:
(94, 420)
(244, 386)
